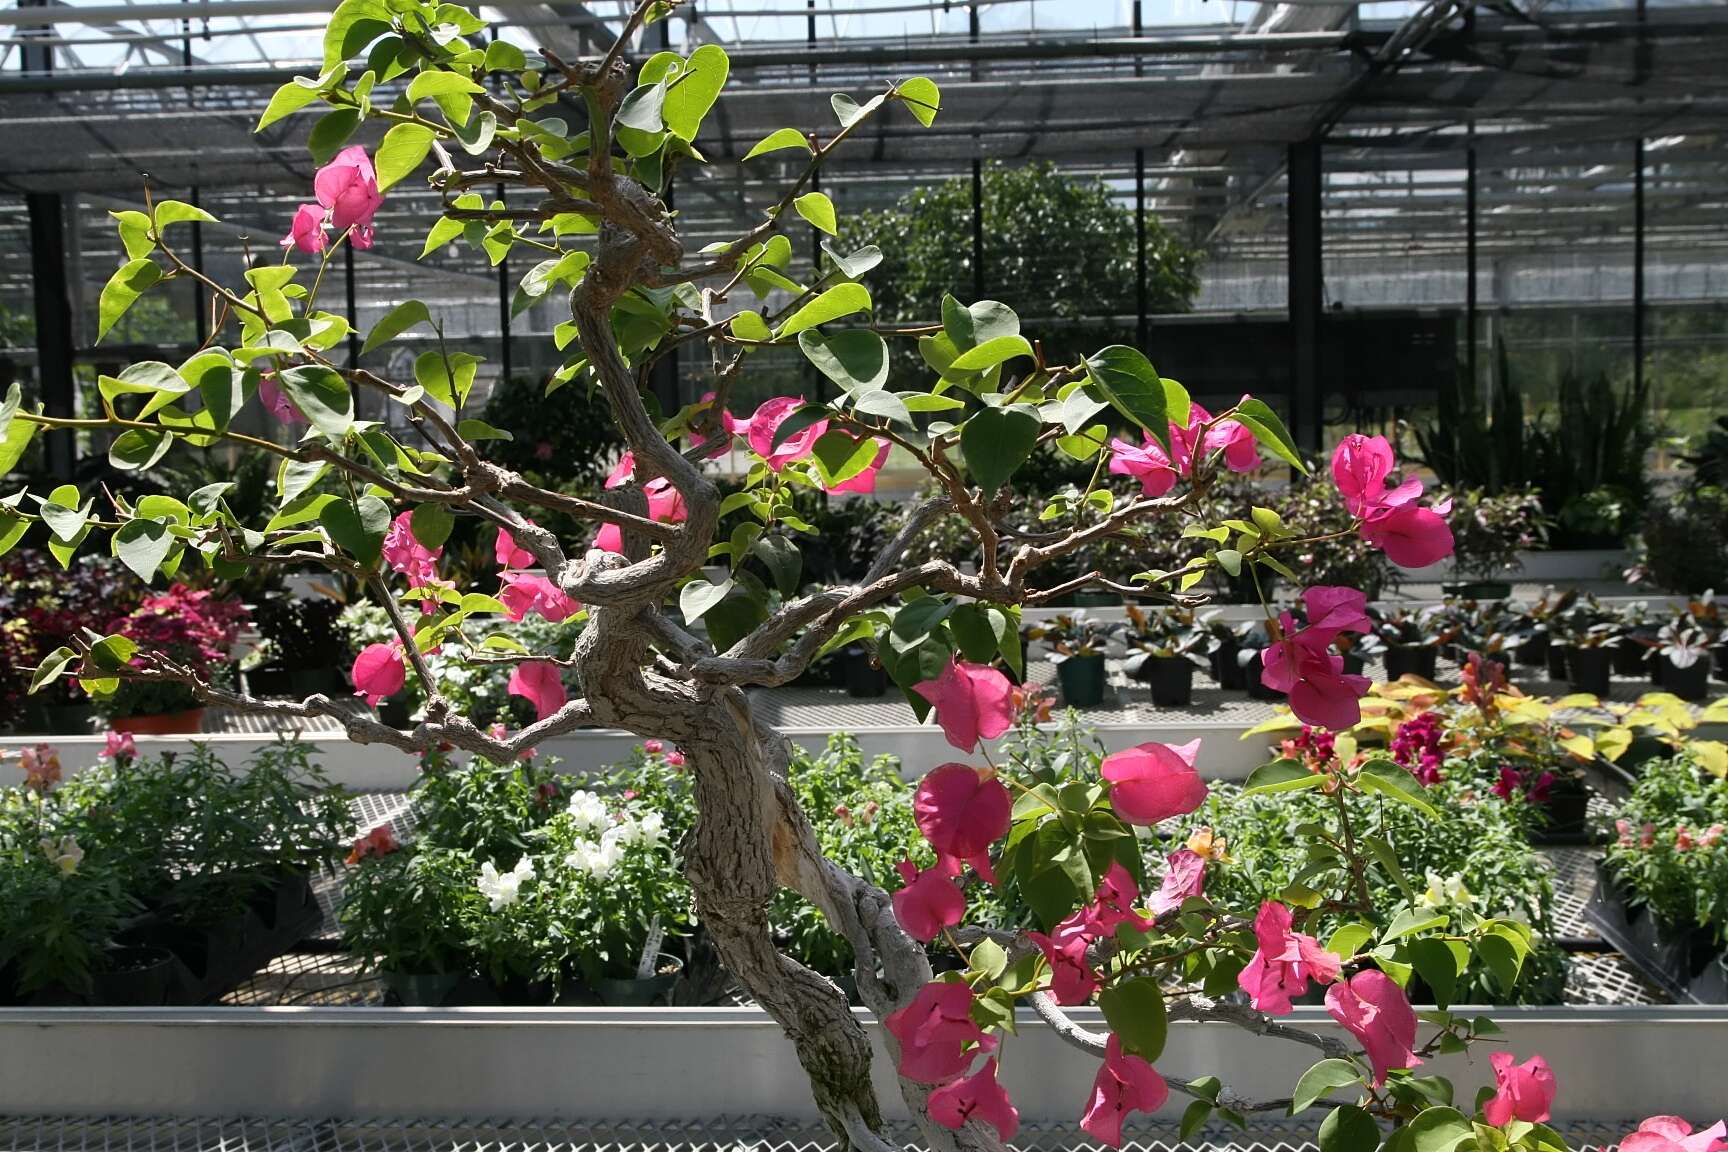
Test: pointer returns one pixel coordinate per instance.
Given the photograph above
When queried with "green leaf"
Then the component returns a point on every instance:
(15, 441)
(135, 233)
(785, 563)
(1348, 940)
(1281, 776)
(52, 667)
(848, 111)
(922, 98)
(991, 353)
(128, 283)
(1135, 1011)
(749, 325)
(288, 99)
(1434, 962)
(1439, 1130)
(1411, 921)
(1193, 1117)
(446, 378)
(354, 24)
(321, 395)
(395, 322)
(179, 212)
(138, 449)
(816, 208)
(1134, 388)
(402, 150)
(358, 529)
(142, 545)
(503, 56)
(1388, 859)
(777, 141)
(840, 300)
(471, 429)
(1270, 431)
(997, 441)
(691, 95)
(427, 85)
(840, 456)
(1349, 1129)
(643, 109)
(1389, 779)
(856, 359)
(698, 596)
(431, 524)
(12, 529)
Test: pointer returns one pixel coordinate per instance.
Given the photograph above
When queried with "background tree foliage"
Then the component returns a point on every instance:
(1056, 248)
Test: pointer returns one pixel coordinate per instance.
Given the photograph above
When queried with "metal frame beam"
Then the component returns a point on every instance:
(1306, 291)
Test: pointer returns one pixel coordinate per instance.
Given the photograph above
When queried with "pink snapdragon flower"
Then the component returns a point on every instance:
(972, 702)
(1376, 1011)
(1153, 782)
(119, 746)
(539, 683)
(1672, 1134)
(306, 231)
(929, 901)
(1523, 1091)
(41, 765)
(378, 672)
(976, 1097)
(961, 811)
(1126, 1083)
(766, 420)
(1284, 962)
(938, 1037)
(347, 187)
(524, 592)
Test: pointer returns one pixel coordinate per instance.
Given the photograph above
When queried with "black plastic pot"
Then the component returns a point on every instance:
(136, 977)
(1691, 683)
(1566, 811)
(421, 989)
(1353, 663)
(270, 680)
(1171, 679)
(1478, 589)
(1559, 660)
(1590, 670)
(1226, 668)
(1721, 661)
(640, 992)
(1421, 661)
(1257, 690)
(864, 677)
(1082, 680)
(286, 899)
(1533, 650)
(1632, 659)
(69, 719)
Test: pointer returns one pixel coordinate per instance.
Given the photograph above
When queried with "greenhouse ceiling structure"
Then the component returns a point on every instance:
(1457, 167)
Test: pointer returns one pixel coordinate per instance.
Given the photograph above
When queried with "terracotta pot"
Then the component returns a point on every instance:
(161, 723)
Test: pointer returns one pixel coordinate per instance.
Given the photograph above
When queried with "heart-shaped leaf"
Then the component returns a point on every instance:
(996, 442)
(142, 545)
(696, 597)
(856, 359)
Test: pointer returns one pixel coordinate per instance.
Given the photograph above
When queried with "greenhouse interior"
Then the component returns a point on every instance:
(770, 575)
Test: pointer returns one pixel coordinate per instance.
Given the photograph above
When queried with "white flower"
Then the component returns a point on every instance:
(503, 889)
(1446, 892)
(648, 831)
(588, 812)
(597, 860)
(66, 853)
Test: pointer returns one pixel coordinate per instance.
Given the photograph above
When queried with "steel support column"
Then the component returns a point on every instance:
(54, 339)
(1470, 263)
(1306, 289)
(1638, 305)
(977, 229)
(1141, 328)
(504, 295)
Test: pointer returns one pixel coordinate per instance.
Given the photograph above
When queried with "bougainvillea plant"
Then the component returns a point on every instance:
(584, 151)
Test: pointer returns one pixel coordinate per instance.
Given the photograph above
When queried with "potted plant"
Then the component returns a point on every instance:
(1680, 659)
(1165, 643)
(1638, 629)
(43, 606)
(1534, 629)
(1412, 639)
(195, 628)
(1077, 648)
(1487, 533)
(1591, 634)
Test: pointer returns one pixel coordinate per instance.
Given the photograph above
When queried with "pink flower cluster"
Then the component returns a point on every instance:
(1411, 536)
(194, 627)
(1536, 787)
(41, 765)
(1672, 1134)
(1303, 666)
(1157, 470)
(348, 197)
(1419, 745)
(1312, 746)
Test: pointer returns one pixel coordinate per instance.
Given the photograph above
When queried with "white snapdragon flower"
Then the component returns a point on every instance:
(651, 829)
(66, 853)
(588, 811)
(503, 889)
(1446, 892)
(595, 859)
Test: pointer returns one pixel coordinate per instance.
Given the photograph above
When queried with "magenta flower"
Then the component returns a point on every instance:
(1360, 465)
(1411, 537)
(118, 746)
(610, 538)
(962, 811)
(1072, 980)
(508, 554)
(1332, 609)
(1241, 451)
(1153, 782)
(406, 555)
(378, 672)
(1284, 962)
(1302, 666)
(976, 1097)
(1524, 1091)
(1113, 903)
(1376, 1011)
(929, 901)
(538, 682)
(348, 188)
(1149, 464)
(938, 1037)
(621, 471)
(972, 702)
(767, 419)
(1184, 877)
(275, 400)
(1126, 1083)
(1672, 1134)
(524, 593)
(306, 231)
(865, 482)
(665, 503)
